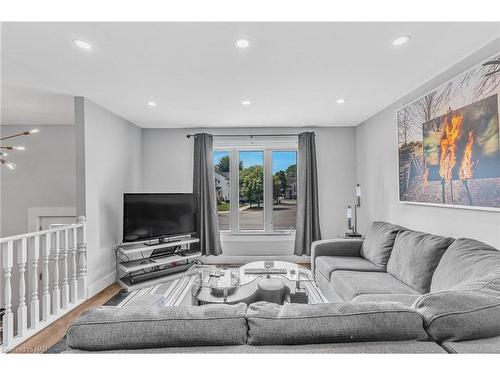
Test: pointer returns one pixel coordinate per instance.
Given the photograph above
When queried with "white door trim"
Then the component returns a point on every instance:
(36, 213)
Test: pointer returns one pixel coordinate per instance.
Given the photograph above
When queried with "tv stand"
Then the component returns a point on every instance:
(161, 241)
(136, 270)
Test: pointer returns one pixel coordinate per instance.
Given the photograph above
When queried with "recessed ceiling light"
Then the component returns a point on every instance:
(151, 104)
(246, 102)
(81, 44)
(401, 40)
(242, 43)
(340, 101)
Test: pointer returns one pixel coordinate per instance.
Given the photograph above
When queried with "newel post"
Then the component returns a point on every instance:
(82, 259)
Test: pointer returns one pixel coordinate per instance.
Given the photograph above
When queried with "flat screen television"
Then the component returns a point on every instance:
(149, 216)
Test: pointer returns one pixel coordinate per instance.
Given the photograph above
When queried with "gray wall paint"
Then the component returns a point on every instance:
(112, 167)
(44, 177)
(377, 173)
(167, 166)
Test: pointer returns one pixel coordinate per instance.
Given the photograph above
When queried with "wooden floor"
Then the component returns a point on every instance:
(49, 336)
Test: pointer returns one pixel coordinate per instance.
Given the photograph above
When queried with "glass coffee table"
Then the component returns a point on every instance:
(273, 281)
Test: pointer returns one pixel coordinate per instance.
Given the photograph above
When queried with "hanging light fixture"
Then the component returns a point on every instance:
(3, 155)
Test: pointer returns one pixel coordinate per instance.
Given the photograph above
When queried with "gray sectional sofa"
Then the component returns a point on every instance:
(261, 327)
(453, 284)
(398, 291)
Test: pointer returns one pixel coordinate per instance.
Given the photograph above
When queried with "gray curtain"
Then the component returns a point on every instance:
(204, 195)
(307, 229)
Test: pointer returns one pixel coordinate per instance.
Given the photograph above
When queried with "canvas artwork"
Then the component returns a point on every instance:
(449, 143)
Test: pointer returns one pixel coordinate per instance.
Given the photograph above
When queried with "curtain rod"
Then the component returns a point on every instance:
(248, 135)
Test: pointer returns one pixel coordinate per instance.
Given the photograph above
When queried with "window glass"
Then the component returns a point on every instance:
(251, 192)
(284, 190)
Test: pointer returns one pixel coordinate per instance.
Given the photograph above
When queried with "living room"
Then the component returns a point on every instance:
(192, 187)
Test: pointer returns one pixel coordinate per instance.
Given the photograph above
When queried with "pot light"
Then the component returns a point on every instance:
(81, 44)
(401, 40)
(340, 101)
(151, 104)
(242, 43)
(246, 102)
(33, 131)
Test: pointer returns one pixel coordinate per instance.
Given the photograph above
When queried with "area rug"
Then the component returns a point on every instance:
(177, 292)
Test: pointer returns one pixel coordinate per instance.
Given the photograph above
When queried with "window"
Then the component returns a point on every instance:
(265, 198)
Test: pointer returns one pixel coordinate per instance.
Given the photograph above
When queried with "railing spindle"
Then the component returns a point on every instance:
(8, 318)
(74, 270)
(22, 310)
(45, 276)
(65, 285)
(56, 292)
(82, 260)
(35, 306)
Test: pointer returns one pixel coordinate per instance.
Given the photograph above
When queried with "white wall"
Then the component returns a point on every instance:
(167, 166)
(44, 177)
(112, 165)
(377, 173)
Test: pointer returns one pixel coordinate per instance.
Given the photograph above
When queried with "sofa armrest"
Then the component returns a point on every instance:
(335, 247)
(459, 315)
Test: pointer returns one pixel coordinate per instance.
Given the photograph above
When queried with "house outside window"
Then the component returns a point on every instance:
(264, 198)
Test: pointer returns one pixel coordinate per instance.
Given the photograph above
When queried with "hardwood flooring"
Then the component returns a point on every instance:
(49, 336)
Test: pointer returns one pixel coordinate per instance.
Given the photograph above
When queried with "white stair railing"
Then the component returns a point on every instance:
(64, 247)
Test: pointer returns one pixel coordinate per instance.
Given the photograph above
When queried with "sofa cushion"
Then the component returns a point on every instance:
(415, 256)
(378, 242)
(469, 313)
(349, 284)
(327, 289)
(491, 345)
(292, 324)
(405, 299)
(109, 328)
(464, 260)
(328, 264)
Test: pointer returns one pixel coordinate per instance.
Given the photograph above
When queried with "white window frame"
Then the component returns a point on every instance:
(267, 145)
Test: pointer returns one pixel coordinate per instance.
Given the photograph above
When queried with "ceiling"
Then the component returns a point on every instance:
(293, 73)
(28, 106)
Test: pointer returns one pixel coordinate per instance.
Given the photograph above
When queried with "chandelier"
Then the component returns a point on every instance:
(4, 154)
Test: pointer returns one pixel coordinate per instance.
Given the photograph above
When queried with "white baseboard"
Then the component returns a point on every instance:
(101, 284)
